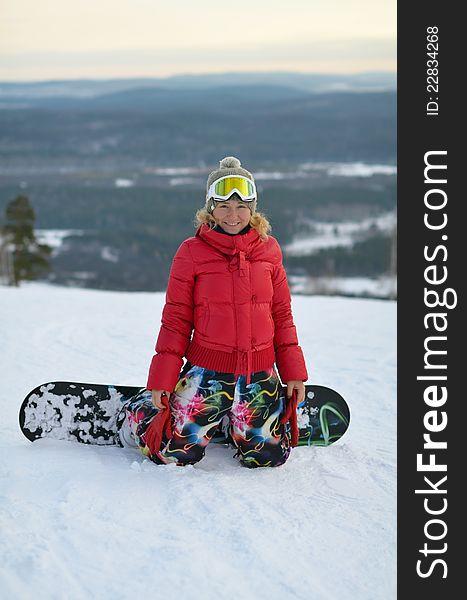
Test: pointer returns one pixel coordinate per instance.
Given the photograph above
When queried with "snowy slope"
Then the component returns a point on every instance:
(97, 522)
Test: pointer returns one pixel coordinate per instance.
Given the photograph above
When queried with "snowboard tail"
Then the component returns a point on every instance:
(78, 412)
(89, 413)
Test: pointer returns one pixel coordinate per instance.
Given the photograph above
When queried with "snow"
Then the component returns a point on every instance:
(182, 180)
(83, 521)
(380, 287)
(333, 234)
(109, 254)
(54, 237)
(174, 170)
(352, 169)
(124, 183)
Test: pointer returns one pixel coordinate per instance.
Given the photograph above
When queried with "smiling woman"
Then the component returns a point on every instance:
(228, 312)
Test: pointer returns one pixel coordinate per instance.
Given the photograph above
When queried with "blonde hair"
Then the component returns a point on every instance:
(257, 220)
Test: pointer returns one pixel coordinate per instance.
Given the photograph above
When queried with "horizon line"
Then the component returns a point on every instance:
(204, 74)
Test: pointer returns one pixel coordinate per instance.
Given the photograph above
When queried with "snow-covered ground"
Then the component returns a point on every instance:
(80, 522)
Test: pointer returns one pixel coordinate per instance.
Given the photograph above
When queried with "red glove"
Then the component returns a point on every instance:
(161, 424)
(290, 415)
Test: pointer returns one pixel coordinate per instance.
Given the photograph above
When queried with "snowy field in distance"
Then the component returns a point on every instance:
(334, 234)
(378, 287)
(81, 522)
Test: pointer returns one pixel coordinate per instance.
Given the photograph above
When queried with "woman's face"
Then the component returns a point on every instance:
(232, 215)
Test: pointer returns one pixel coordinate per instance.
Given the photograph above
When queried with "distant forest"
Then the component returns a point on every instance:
(264, 125)
(144, 227)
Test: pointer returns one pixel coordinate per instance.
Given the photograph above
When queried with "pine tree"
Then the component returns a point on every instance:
(30, 258)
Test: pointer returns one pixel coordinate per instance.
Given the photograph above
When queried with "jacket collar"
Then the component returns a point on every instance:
(229, 244)
(242, 232)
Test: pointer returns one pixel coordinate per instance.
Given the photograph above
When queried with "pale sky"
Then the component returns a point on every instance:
(68, 39)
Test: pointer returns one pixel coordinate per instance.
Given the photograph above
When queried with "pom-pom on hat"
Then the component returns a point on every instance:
(230, 165)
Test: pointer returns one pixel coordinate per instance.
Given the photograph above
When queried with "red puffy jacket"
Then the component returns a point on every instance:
(232, 293)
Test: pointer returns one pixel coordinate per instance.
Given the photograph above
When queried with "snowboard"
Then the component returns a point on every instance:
(92, 414)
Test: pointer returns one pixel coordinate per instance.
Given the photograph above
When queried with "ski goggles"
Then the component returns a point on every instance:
(224, 187)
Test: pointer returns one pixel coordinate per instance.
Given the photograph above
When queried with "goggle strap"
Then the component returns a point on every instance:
(234, 191)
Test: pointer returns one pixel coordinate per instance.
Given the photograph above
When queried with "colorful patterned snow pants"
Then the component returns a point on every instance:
(205, 400)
